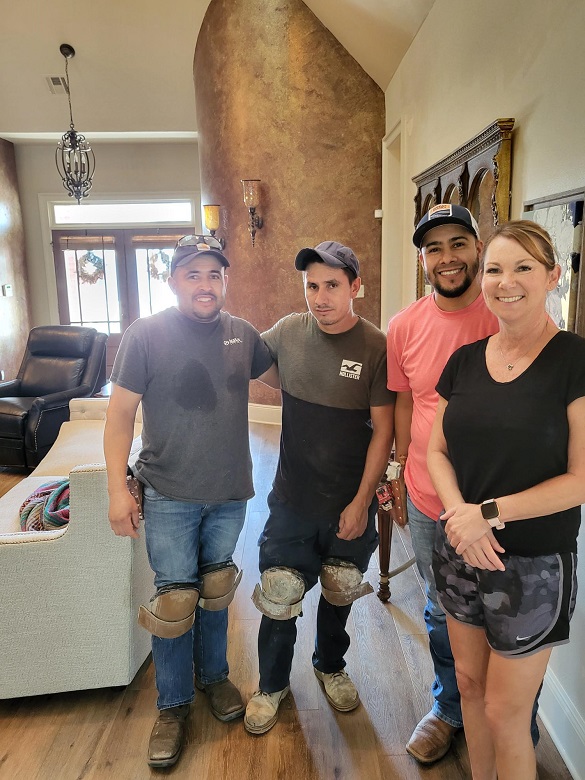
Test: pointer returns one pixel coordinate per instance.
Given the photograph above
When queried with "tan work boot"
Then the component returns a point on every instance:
(262, 711)
(431, 739)
(225, 700)
(168, 736)
(340, 691)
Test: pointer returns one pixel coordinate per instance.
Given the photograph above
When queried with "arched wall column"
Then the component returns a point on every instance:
(279, 99)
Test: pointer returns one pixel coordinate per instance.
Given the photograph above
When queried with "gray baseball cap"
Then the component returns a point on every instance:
(189, 247)
(331, 253)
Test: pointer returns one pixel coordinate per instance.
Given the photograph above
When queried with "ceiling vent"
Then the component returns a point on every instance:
(57, 85)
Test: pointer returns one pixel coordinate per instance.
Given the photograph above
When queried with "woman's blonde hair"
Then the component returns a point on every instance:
(531, 237)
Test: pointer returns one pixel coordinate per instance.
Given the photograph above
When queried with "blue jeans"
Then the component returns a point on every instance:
(181, 539)
(297, 542)
(447, 705)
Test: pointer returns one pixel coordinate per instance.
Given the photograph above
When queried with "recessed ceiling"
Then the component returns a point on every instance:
(132, 76)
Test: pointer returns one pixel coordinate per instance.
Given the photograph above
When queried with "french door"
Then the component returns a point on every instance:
(108, 278)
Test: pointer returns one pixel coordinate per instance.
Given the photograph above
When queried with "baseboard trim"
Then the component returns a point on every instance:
(262, 413)
(564, 723)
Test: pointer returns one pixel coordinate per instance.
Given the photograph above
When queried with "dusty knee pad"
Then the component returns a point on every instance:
(171, 611)
(280, 593)
(341, 582)
(218, 587)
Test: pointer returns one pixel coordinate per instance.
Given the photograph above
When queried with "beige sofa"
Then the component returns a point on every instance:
(69, 598)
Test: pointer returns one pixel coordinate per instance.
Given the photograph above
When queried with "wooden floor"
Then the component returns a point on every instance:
(104, 733)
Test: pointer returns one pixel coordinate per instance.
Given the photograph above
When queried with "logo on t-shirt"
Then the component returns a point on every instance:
(350, 369)
(236, 340)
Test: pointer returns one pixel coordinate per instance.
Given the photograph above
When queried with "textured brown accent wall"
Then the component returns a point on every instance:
(279, 99)
(14, 315)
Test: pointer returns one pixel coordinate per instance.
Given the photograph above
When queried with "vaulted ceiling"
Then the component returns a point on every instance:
(132, 75)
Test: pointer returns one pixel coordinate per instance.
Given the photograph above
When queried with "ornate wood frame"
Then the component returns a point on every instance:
(457, 179)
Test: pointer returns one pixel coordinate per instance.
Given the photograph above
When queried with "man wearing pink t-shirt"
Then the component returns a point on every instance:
(421, 338)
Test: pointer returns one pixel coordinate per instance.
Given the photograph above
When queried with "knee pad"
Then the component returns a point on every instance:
(341, 582)
(280, 593)
(171, 611)
(218, 586)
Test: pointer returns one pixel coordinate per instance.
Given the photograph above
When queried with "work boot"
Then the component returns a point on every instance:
(168, 736)
(262, 711)
(431, 739)
(341, 693)
(224, 699)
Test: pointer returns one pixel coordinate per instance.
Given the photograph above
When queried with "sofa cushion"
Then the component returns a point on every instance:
(78, 442)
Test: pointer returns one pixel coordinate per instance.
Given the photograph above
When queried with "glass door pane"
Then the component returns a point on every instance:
(153, 267)
(91, 283)
(92, 288)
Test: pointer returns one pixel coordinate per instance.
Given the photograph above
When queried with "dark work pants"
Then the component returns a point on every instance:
(301, 543)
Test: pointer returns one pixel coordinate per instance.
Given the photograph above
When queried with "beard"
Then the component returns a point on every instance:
(471, 272)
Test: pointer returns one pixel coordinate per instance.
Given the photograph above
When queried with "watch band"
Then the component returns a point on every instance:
(490, 511)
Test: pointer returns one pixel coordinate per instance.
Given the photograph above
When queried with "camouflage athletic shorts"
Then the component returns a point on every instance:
(523, 609)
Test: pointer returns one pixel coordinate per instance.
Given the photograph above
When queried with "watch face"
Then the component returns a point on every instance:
(489, 510)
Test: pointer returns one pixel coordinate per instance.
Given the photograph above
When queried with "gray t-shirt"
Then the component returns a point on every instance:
(193, 378)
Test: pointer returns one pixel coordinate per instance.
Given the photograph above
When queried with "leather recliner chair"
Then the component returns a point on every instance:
(60, 362)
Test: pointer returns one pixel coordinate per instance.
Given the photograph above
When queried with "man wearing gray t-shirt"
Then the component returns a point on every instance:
(337, 429)
(190, 366)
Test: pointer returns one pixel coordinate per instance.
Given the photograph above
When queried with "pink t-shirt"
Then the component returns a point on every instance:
(421, 338)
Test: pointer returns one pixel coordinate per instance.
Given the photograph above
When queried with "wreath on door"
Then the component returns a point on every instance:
(90, 268)
(159, 266)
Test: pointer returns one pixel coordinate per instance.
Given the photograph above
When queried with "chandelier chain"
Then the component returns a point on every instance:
(68, 91)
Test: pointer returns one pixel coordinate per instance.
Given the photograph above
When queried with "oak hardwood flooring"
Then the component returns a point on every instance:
(103, 734)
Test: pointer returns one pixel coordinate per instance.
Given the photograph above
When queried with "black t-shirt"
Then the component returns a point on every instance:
(329, 382)
(503, 438)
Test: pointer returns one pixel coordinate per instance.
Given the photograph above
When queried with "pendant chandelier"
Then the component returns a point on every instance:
(74, 157)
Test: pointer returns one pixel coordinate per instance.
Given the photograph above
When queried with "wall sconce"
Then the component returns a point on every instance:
(251, 199)
(74, 157)
(211, 221)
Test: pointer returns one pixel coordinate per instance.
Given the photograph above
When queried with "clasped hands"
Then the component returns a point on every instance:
(472, 538)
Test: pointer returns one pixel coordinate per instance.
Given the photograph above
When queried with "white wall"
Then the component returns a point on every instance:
(138, 168)
(471, 63)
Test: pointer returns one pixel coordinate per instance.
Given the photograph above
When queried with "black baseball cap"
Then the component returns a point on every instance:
(445, 214)
(331, 253)
(189, 247)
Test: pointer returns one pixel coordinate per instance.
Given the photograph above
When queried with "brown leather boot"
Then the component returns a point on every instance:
(168, 736)
(225, 700)
(431, 739)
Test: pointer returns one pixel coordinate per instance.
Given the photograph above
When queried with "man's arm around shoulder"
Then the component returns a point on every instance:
(118, 435)
(270, 377)
(354, 518)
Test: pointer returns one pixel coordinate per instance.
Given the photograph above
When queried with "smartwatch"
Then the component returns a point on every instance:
(490, 511)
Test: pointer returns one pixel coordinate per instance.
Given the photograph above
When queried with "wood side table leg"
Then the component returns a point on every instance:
(385, 526)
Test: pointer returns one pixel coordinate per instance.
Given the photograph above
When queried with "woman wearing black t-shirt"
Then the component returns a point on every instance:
(507, 458)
